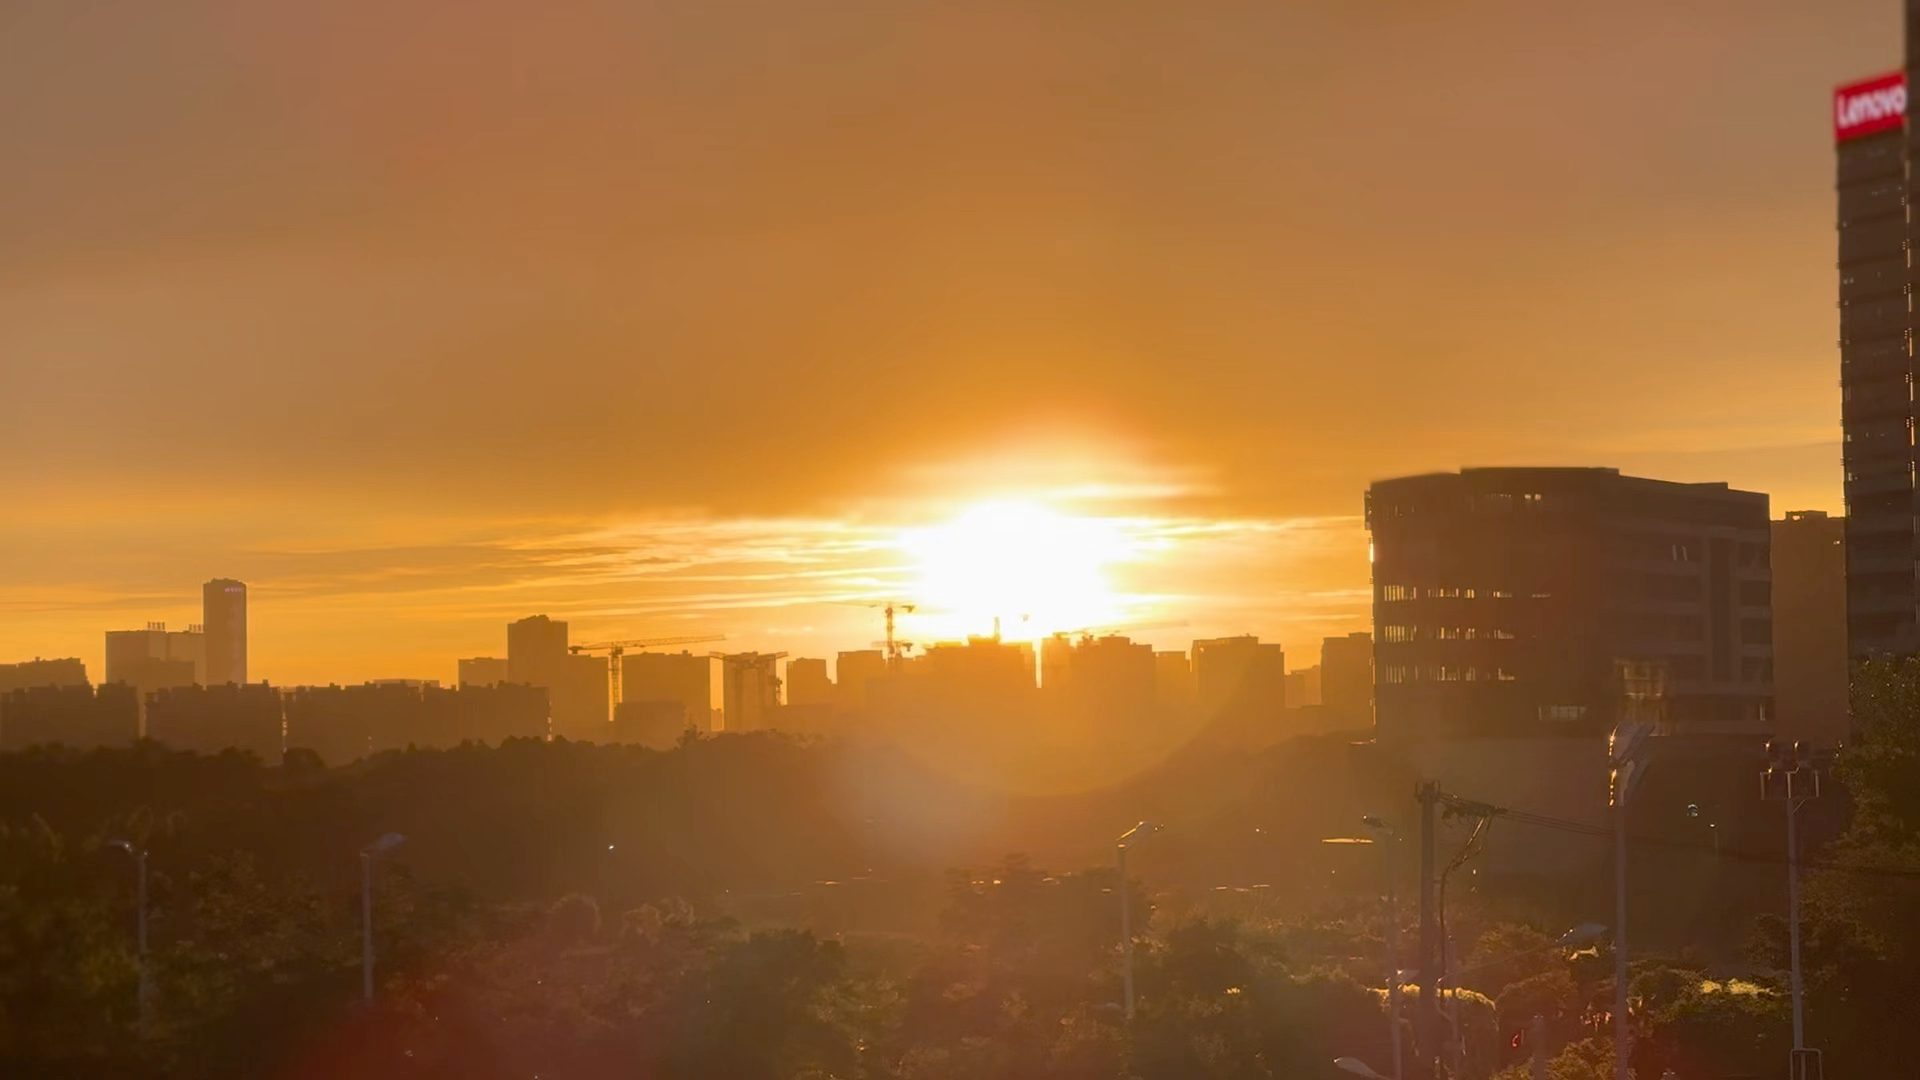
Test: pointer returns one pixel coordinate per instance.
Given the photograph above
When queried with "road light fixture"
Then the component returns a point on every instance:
(144, 976)
(1392, 841)
(1132, 836)
(367, 856)
(1792, 776)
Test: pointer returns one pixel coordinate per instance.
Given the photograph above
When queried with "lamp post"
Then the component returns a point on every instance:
(367, 856)
(144, 993)
(1393, 935)
(1627, 750)
(1792, 775)
(1131, 836)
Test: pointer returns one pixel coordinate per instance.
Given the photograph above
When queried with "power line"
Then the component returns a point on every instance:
(1602, 832)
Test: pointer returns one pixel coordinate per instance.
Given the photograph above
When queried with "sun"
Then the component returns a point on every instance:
(1031, 567)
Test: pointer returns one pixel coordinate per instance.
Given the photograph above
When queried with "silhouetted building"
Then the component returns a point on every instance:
(223, 607)
(581, 708)
(1810, 627)
(342, 723)
(576, 683)
(683, 680)
(210, 719)
(536, 651)
(655, 724)
(78, 716)
(1106, 683)
(483, 671)
(807, 682)
(855, 674)
(37, 672)
(1303, 687)
(1173, 679)
(1346, 677)
(156, 657)
(1504, 599)
(749, 690)
(1240, 675)
(1873, 148)
(967, 697)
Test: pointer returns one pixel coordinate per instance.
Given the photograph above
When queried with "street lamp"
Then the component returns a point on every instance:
(1131, 836)
(367, 856)
(1393, 934)
(1793, 776)
(1627, 749)
(145, 982)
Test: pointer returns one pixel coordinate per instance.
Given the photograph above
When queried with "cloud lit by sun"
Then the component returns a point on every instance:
(1035, 569)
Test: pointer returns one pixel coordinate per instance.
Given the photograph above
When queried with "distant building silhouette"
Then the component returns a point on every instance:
(1303, 687)
(650, 681)
(210, 719)
(576, 684)
(483, 671)
(37, 672)
(155, 657)
(1109, 682)
(807, 683)
(536, 651)
(223, 605)
(343, 723)
(1505, 599)
(655, 724)
(1173, 679)
(1874, 153)
(1810, 627)
(750, 690)
(856, 673)
(580, 706)
(72, 715)
(1346, 677)
(1241, 675)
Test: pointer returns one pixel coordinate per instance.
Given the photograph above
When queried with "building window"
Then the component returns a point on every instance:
(1503, 635)
(1448, 594)
(1447, 633)
(1502, 594)
(1756, 593)
(1562, 714)
(1756, 631)
(1398, 635)
(1541, 595)
(1397, 673)
(1398, 592)
(1756, 671)
(1532, 499)
(1503, 675)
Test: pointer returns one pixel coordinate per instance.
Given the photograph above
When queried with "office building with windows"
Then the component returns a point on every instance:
(1507, 600)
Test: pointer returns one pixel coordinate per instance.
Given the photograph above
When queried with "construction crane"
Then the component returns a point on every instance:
(617, 649)
(893, 644)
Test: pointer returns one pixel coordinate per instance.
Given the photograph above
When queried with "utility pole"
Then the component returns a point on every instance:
(1427, 1023)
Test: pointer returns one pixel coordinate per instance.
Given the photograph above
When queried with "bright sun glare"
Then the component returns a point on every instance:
(1030, 566)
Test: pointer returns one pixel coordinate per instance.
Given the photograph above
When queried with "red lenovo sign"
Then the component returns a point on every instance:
(1863, 108)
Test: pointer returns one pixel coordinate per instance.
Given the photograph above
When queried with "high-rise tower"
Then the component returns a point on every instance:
(224, 618)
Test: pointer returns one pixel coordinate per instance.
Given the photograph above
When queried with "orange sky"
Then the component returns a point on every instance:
(422, 316)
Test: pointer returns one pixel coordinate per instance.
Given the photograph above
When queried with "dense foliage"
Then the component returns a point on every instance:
(740, 907)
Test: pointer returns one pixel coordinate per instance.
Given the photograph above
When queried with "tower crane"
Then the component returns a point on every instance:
(894, 645)
(617, 649)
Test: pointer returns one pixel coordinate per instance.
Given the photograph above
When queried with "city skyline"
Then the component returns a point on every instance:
(471, 358)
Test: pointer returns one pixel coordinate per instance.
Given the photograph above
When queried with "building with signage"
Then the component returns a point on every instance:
(1876, 364)
(1506, 601)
